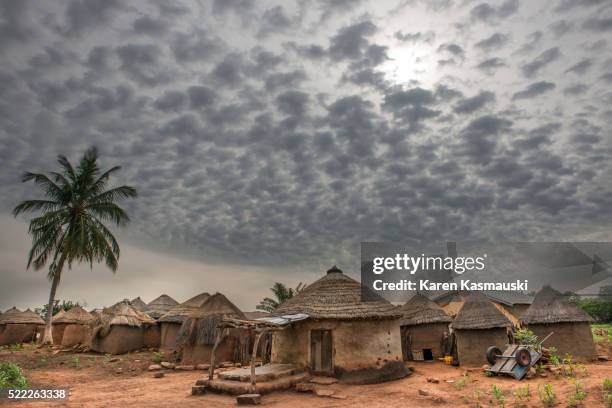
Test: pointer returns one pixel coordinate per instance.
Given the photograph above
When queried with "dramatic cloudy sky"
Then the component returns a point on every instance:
(268, 139)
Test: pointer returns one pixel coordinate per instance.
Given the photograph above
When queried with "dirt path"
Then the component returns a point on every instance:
(99, 381)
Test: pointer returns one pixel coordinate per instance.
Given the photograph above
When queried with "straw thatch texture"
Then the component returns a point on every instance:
(15, 316)
(76, 315)
(120, 314)
(139, 304)
(420, 310)
(478, 312)
(160, 306)
(549, 306)
(336, 296)
(200, 327)
(180, 312)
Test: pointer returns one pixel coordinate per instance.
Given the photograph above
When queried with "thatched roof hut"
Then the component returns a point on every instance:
(179, 313)
(344, 333)
(120, 328)
(552, 312)
(15, 316)
(199, 332)
(170, 323)
(138, 304)
(479, 313)
(72, 327)
(477, 326)
(160, 306)
(337, 296)
(19, 327)
(424, 328)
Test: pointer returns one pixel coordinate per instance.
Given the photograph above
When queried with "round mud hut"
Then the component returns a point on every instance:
(199, 333)
(18, 327)
(160, 306)
(170, 323)
(477, 326)
(571, 326)
(344, 334)
(424, 328)
(119, 329)
(72, 327)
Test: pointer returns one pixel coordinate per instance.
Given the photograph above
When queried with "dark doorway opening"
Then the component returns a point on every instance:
(427, 355)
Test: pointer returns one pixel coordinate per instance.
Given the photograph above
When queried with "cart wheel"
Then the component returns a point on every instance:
(492, 353)
(523, 357)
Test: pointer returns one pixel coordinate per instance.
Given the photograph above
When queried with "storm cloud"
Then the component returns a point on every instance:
(279, 135)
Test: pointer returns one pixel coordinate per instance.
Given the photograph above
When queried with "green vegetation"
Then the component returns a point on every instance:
(607, 392)
(158, 357)
(462, 382)
(11, 376)
(525, 336)
(12, 347)
(575, 400)
(498, 394)
(70, 222)
(281, 293)
(547, 395)
(57, 307)
(521, 395)
(76, 361)
(599, 330)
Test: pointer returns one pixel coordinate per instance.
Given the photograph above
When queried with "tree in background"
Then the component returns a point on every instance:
(70, 226)
(281, 293)
(58, 306)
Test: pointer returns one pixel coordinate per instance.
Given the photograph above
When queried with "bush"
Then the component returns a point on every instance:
(11, 376)
(525, 336)
(158, 357)
(575, 400)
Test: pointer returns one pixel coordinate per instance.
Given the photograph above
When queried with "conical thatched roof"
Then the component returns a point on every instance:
(478, 312)
(160, 306)
(139, 304)
(421, 310)
(200, 327)
(549, 306)
(124, 314)
(15, 316)
(76, 315)
(179, 313)
(337, 296)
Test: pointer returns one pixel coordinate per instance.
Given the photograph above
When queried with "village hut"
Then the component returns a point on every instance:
(160, 306)
(478, 326)
(72, 327)
(19, 327)
(342, 333)
(199, 333)
(171, 322)
(119, 329)
(570, 325)
(138, 304)
(424, 329)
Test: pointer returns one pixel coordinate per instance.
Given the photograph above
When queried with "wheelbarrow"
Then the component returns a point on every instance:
(516, 360)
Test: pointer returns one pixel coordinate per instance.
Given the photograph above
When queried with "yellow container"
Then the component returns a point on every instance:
(448, 360)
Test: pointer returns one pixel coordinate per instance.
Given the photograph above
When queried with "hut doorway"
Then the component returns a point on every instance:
(321, 351)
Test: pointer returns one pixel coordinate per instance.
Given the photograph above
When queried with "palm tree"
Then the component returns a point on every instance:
(282, 293)
(70, 223)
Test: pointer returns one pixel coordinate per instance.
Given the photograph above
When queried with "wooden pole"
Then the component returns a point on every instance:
(211, 369)
(253, 355)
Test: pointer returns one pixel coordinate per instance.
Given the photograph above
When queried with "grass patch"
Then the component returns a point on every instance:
(11, 376)
(595, 328)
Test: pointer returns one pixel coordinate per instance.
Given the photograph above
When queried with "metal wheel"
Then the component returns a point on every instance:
(523, 357)
(492, 353)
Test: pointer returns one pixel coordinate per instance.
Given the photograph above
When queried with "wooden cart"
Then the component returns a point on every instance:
(516, 360)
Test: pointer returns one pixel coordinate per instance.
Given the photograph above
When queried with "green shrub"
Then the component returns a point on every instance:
(578, 396)
(11, 376)
(525, 336)
(547, 395)
(158, 357)
(607, 384)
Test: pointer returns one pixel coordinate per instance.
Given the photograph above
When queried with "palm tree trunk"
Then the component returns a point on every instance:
(48, 334)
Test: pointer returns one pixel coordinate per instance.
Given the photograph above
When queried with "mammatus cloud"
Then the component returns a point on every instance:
(278, 135)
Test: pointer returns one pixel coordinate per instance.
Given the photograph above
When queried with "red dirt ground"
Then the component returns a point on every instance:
(97, 381)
